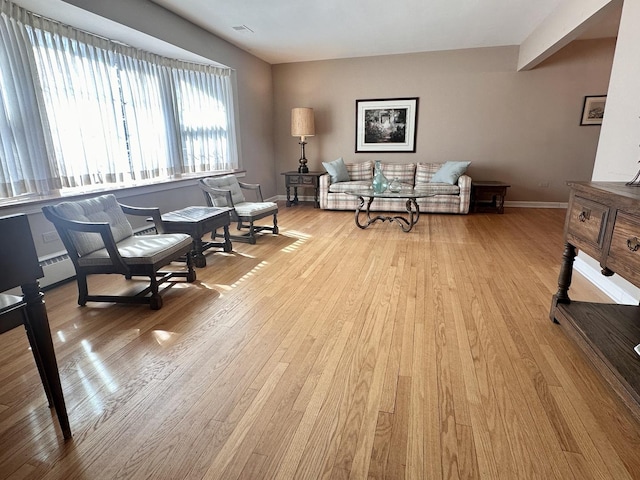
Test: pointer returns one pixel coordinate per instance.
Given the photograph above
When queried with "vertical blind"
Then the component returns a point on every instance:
(77, 109)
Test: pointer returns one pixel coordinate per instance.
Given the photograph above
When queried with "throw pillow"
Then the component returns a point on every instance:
(450, 172)
(337, 170)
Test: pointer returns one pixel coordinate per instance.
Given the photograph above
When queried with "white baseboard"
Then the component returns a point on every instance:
(519, 204)
(612, 289)
(507, 203)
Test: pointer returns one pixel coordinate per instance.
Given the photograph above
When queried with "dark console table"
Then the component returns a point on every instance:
(603, 220)
(20, 267)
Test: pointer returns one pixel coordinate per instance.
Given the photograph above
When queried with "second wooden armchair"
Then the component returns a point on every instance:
(226, 191)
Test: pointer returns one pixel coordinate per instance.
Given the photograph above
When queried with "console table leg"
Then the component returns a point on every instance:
(564, 279)
(288, 196)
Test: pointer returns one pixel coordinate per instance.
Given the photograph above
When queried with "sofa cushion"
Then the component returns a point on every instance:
(349, 186)
(405, 172)
(450, 172)
(360, 171)
(439, 189)
(337, 170)
(426, 171)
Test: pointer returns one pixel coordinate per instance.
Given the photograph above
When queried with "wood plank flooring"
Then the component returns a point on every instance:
(329, 352)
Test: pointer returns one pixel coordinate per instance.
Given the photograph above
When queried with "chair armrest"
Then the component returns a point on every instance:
(252, 186)
(63, 226)
(216, 192)
(152, 212)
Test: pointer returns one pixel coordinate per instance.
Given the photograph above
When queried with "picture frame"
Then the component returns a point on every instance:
(386, 125)
(593, 110)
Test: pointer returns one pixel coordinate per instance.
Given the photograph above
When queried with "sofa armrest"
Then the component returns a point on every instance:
(323, 190)
(464, 182)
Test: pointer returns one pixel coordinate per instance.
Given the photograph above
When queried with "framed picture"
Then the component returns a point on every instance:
(386, 125)
(593, 110)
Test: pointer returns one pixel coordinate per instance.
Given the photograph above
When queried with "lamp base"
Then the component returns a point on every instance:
(303, 161)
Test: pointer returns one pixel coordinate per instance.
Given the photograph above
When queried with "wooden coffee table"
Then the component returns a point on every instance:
(196, 221)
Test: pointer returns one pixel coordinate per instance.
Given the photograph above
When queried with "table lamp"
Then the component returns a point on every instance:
(302, 125)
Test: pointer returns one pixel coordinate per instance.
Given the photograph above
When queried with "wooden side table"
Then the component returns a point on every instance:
(196, 221)
(488, 196)
(302, 180)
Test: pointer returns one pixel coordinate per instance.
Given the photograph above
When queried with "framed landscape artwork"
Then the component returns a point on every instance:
(386, 125)
(593, 110)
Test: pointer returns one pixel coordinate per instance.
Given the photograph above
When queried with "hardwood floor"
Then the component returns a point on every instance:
(329, 352)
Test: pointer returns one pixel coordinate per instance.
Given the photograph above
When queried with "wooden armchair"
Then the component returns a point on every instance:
(226, 191)
(100, 240)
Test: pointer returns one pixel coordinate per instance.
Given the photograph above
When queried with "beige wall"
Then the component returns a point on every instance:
(520, 127)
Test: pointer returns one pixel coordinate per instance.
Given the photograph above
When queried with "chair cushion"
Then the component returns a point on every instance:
(254, 209)
(143, 250)
(104, 208)
(226, 182)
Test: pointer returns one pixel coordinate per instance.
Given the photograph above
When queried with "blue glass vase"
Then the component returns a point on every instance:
(380, 182)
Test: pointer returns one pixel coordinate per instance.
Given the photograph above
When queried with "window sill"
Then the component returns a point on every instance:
(32, 203)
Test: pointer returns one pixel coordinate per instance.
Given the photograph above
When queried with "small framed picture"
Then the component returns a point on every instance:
(386, 125)
(593, 110)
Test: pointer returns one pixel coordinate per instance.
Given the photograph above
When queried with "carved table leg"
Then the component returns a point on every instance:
(564, 279)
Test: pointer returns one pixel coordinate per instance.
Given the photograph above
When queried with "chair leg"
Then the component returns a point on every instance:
(252, 234)
(83, 290)
(155, 302)
(275, 224)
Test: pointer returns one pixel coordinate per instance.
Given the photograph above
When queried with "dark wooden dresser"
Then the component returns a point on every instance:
(603, 220)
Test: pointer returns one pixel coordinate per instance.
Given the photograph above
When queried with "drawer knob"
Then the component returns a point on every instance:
(633, 244)
(584, 215)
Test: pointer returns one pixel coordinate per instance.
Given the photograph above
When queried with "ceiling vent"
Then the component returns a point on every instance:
(242, 29)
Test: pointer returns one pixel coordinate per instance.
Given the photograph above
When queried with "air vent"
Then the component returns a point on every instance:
(242, 29)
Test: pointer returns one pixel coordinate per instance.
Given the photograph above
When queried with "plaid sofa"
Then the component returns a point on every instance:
(447, 199)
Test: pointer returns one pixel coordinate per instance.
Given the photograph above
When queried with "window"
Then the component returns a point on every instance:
(114, 114)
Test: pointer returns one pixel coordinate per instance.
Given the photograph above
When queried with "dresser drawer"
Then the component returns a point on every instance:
(587, 221)
(624, 253)
(301, 180)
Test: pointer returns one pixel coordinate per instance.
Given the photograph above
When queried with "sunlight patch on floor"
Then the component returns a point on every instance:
(301, 239)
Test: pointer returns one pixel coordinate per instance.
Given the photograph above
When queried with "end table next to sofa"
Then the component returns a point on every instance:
(302, 180)
(488, 196)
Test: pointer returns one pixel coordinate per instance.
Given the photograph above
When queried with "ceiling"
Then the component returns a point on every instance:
(282, 31)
